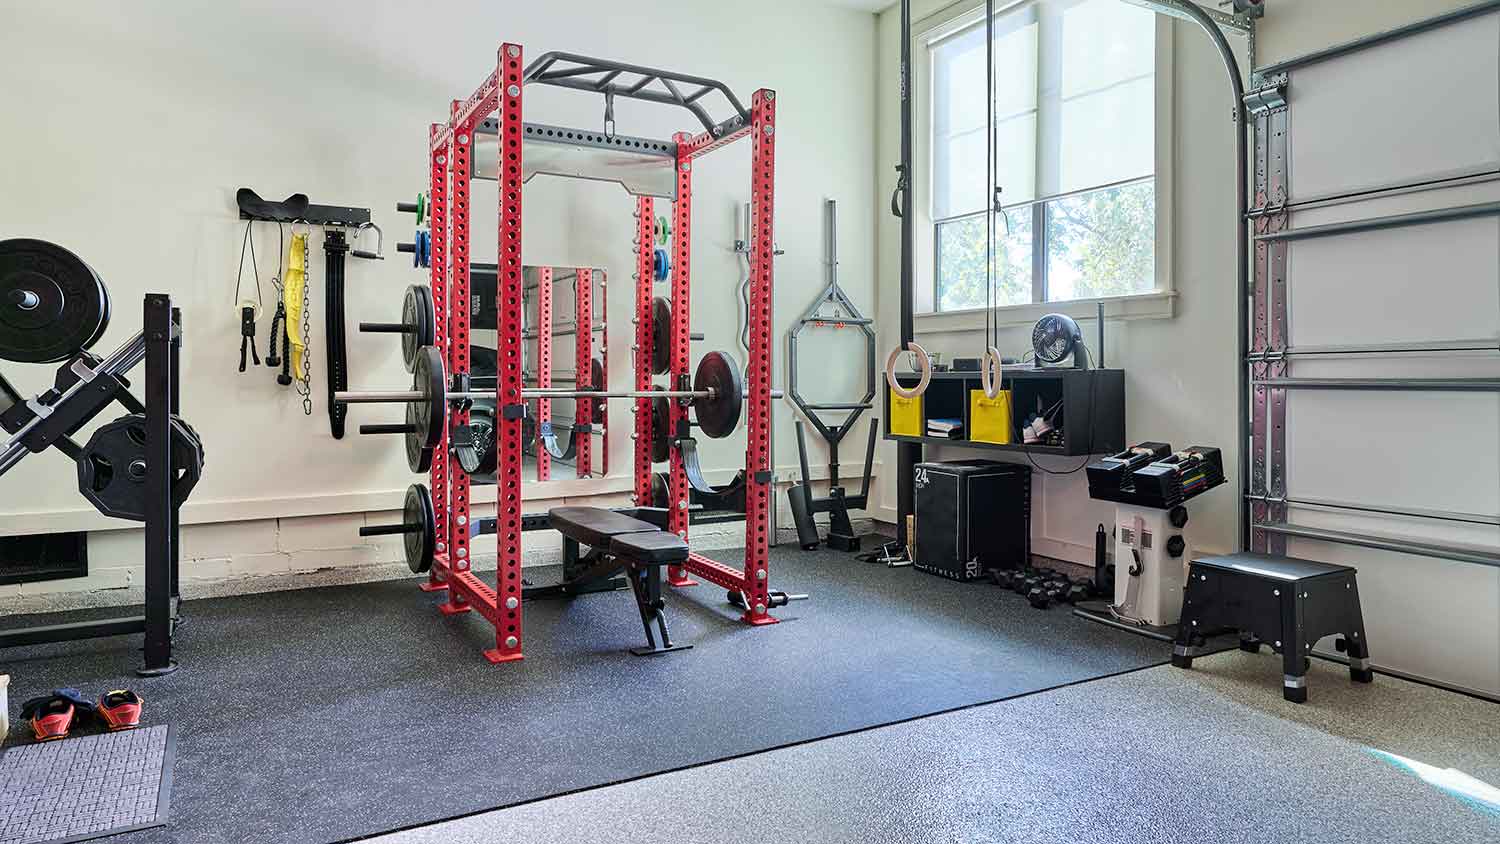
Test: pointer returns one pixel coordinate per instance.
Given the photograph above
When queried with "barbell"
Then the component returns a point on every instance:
(717, 396)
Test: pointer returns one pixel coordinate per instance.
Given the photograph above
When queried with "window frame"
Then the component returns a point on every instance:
(1157, 303)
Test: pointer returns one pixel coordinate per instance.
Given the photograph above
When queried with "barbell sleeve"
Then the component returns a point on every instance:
(390, 530)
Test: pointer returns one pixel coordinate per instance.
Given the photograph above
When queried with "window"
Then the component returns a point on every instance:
(1075, 123)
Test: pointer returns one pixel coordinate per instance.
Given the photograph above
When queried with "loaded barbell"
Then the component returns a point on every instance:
(717, 396)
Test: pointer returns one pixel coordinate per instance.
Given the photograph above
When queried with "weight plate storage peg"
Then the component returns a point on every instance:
(720, 415)
(418, 322)
(420, 540)
(52, 304)
(112, 466)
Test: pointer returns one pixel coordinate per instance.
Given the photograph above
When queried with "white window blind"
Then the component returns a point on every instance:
(1075, 126)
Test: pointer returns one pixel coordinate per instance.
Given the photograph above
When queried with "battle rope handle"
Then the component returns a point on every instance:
(991, 373)
(924, 364)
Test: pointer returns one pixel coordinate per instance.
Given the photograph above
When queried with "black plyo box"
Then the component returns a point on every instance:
(972, 515)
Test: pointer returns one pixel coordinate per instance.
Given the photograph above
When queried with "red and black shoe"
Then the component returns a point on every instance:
(52, 716)
(119, 710)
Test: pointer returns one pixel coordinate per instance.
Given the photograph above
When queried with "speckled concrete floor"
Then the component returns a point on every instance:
(1160, 755)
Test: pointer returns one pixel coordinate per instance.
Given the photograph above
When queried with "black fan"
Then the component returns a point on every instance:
(1055, 337)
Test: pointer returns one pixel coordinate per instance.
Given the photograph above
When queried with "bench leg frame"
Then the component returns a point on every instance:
(645, 582)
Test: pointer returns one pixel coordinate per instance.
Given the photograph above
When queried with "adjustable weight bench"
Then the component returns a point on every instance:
(618, 542)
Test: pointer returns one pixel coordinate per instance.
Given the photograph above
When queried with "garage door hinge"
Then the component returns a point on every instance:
(1265, 99)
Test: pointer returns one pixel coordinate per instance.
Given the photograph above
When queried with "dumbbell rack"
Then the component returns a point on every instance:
(451, 149)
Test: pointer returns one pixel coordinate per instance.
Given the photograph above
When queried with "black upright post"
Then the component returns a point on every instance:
(176, 369)
(908, 455)
(160, 516)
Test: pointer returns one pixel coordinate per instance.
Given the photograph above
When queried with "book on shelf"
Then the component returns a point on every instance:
(952, 429)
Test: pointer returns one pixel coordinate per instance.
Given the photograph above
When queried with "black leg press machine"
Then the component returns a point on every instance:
(139, 467)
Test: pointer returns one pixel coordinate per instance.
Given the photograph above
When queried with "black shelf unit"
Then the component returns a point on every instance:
(1095, 396)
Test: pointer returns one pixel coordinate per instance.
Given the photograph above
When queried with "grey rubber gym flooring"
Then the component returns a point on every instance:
(1155, 756)
(327, 714)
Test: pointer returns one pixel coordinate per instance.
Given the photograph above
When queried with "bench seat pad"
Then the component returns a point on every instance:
(595, 526)
(658, 547)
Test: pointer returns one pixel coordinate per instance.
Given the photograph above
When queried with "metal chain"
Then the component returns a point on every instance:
(304, 378)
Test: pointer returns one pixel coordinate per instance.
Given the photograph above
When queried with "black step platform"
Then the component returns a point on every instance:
(1282, 601)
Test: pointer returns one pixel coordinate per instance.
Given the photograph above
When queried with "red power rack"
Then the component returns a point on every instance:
(451, 145)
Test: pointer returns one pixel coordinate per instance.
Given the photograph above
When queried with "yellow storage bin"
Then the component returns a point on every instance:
(906, 416)
(989, 418)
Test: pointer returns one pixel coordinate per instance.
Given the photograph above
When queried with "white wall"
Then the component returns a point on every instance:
(1180, 374)
(129, 127)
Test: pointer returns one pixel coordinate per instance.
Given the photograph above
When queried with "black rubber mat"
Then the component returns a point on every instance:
(85, 787)
(329, 714)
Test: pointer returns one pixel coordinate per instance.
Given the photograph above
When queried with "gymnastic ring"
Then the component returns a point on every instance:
(991, 372)
(924, 364)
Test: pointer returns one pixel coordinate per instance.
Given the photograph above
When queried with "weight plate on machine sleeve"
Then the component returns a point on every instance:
(482, 429)
(112, 466)
(661, 423)
(419, 544)
(528, 428)
(430, 378)
(596, 370)
(417, 315)
(661, 335)
(52, 304)
(720, 415)
(661, 489)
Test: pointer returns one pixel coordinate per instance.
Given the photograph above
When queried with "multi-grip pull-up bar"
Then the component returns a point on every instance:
(583, 73)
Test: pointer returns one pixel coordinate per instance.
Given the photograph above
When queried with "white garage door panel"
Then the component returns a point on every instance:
(1432, 451)
(1412, 109)
(1430, 282)
(1424, 617)
(1482, 191)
